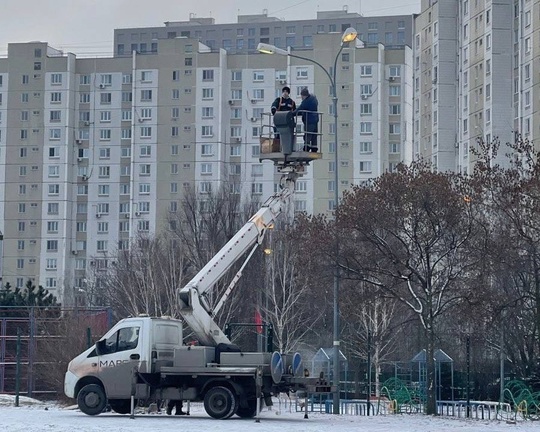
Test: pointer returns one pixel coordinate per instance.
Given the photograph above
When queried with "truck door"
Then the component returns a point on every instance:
(118, 354)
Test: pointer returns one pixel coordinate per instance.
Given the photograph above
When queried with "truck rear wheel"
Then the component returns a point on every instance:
(220, 403)
(92, 399)
(249, 411)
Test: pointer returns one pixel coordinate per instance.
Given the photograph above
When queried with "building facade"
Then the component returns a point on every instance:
(94, 152)
(475, 80)
(249, 30)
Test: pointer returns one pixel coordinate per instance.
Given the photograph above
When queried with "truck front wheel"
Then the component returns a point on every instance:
(92, 399)
(220, 403)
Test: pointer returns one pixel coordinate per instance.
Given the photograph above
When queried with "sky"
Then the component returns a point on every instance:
(31, 417)
(86, 26)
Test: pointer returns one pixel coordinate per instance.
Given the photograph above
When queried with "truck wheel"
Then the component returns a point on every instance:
(121, 406)
(249, 411)
(92, 399)
(220, 403)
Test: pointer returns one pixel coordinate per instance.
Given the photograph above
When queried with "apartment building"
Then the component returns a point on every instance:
(473, 78)
(95, 151)
(249, 30)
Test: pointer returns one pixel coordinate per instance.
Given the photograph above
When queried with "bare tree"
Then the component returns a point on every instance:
(408, 235)
(289, 290)
(145, 278)
(369, 317)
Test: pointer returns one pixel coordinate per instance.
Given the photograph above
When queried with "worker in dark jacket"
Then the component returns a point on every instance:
(308, 110)
(283, 103)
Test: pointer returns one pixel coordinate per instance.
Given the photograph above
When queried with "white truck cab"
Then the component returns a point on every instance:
(105, 370)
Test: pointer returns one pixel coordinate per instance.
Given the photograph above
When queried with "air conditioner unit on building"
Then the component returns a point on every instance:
(84, 177)
(87, 123)
(283, 81)
(253, 100)
(79, 159)
(137, 213)
(391, 79)
(74, 252)
(126, 215)
(231, 102)
(254, 119)
(140, 120)
(98, 215)
(102, 86)
(79, 141)
(237, 140)
(364, 96)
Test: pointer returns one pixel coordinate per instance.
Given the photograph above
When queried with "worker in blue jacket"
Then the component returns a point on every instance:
(308, 110)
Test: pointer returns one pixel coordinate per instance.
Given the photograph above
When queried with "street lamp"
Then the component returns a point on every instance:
(349, 35)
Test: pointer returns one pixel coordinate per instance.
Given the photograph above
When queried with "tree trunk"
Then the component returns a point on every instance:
(431, 391)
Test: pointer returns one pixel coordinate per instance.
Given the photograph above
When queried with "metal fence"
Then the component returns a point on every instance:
(42, 332)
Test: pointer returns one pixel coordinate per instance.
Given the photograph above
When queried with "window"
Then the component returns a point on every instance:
(207, 112)
(206, 168)
(394, 148)
(258, 94)
(366, 71)
(365, 109)
(144, 169)
(146, 132)
(207, 131)
(52, 227)
(236, 95)
(365, 166)
(146, 76)
(54, 152)
(395, 90)
(55, 116)
(258, 76)
(124, 339)
(395, 109)
(54, 170)
(207, 150)
(105, 116)
(366, 147)
(365, 127)
(365, 89)
(105, 98)
(256, 188)
(104, 171)
(145, 151)
(105, 134)
(56, 97)
(146, 95)
(236, 75)
(54, 134)
(394, 128)
(52, 245)
(302, 73)
(395, 71)
(257, 170)
(144, 188)
(208, 93)
(208, 75)
(103, 190)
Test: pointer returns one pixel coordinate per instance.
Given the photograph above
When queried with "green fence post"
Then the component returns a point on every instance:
(18, 368)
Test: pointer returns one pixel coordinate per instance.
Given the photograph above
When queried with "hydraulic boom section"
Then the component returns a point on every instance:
(193, 306)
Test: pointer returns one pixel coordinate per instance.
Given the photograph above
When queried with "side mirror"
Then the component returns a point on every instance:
(101, 347)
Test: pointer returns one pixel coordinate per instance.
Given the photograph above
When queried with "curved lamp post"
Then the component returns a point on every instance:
(349, 35)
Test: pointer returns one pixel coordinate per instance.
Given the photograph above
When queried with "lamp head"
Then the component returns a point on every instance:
(349, 35)
(270, 49)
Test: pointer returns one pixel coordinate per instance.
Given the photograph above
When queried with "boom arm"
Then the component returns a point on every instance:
(193, 307)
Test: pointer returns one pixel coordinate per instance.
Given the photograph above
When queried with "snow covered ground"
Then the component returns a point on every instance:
(33, 416)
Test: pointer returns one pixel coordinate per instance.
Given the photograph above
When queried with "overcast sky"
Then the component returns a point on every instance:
(86, 26)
